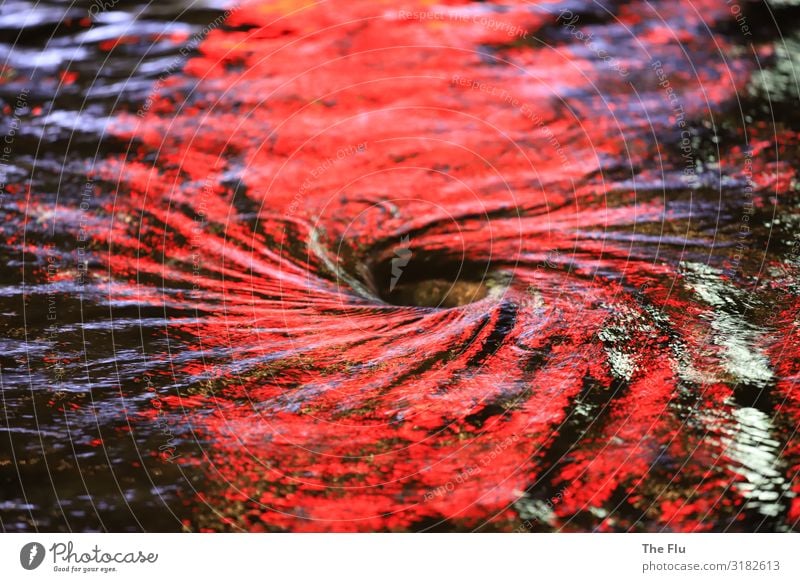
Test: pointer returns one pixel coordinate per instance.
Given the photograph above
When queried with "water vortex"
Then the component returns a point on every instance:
(351, 269)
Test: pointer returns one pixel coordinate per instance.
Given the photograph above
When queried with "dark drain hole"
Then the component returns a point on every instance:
(428, 281)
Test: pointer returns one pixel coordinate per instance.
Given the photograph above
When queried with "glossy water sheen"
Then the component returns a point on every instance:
(244, 347)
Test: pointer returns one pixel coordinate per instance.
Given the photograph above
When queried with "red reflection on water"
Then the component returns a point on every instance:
(310, 140)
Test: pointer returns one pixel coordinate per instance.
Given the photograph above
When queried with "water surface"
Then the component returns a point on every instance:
(363, 266)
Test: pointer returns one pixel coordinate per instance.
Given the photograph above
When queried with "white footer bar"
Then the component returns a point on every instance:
(399, 557)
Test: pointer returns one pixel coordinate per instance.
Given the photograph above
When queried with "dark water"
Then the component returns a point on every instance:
(363, 266)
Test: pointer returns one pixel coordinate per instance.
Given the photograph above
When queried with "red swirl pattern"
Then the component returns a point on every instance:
(609, 375)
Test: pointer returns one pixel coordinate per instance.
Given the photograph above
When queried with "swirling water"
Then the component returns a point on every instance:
(359, 266)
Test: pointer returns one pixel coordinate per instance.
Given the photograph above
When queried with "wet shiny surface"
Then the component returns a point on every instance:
(357, 266)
